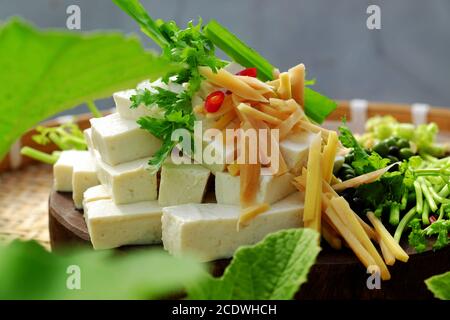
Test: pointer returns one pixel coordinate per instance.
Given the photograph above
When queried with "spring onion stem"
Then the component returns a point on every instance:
(441, 212)
(403, 223)
(404, 201)
(419, 197)
(426, 214)
(445, 191)
(39, 155)
(428, 196)
(394, 216)
(437, 197)
(56, 139)
(93, 109)
(77, 143)
(432, 172)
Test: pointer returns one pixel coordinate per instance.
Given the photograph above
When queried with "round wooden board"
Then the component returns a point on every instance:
(336, 274)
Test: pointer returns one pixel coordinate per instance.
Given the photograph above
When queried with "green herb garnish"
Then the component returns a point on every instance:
(189, 47)
(194, 47)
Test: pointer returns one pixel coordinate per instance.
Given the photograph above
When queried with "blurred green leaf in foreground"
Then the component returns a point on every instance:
(44, 73)
(440, 285)
(273, 269)
(28, 271)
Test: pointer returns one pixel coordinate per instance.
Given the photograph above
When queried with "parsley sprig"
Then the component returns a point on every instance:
(191, 48)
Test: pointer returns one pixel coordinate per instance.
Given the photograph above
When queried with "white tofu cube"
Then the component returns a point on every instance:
(184, 183)
(95, 193)
(88, 138)
(271, 188)
(208, 231)
(119, 140)
(63, 169)
(111, 226)
(128, 182)
(123, 102)
(84, 176)
(295, 148)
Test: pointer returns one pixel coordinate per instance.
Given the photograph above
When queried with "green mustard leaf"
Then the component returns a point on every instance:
(440, 285)
(274, 268)
(28, 271)
(43, 73)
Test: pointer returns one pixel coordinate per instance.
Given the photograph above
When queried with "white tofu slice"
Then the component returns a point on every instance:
(84, 176)
(128, 182)
(95, 193)
(111, 226)
(123, 102)
(184, 183)
(271, 189)
(208, 231)
(295, 148)
(88, 138)
(63, 169)
(120, 140)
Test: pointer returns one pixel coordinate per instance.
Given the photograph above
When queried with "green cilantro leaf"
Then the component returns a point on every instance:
(163, 98)
(363, 163)
(441, 228)
(417, 238)
(43, 73)
(275, 268)
(440, 286)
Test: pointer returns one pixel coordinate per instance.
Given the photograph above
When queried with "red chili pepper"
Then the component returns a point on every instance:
(249, 72)
(214, 101)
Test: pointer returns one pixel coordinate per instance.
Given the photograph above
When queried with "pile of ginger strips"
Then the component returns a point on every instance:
(278, 104)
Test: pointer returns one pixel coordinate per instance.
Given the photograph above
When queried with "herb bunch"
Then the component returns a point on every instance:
(191, 48)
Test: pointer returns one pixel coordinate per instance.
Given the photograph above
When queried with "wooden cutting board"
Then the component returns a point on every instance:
(336, 274)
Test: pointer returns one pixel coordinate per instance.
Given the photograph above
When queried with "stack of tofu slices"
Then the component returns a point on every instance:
(190, 208)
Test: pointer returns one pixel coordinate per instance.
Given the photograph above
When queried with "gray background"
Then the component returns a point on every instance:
(405, 61)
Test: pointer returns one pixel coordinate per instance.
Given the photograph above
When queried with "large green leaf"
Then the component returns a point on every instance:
(43, 73)
(440, 285)
(275, 268)
(27, 271)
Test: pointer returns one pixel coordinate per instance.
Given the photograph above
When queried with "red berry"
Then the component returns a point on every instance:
(214, 101)
(249, 72)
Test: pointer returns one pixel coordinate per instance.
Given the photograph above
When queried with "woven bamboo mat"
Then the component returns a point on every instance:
(23, 204)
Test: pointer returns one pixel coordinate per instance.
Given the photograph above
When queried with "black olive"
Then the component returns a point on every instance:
(393, 151)
(403, 143)
(381, 148)
(349, 158)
